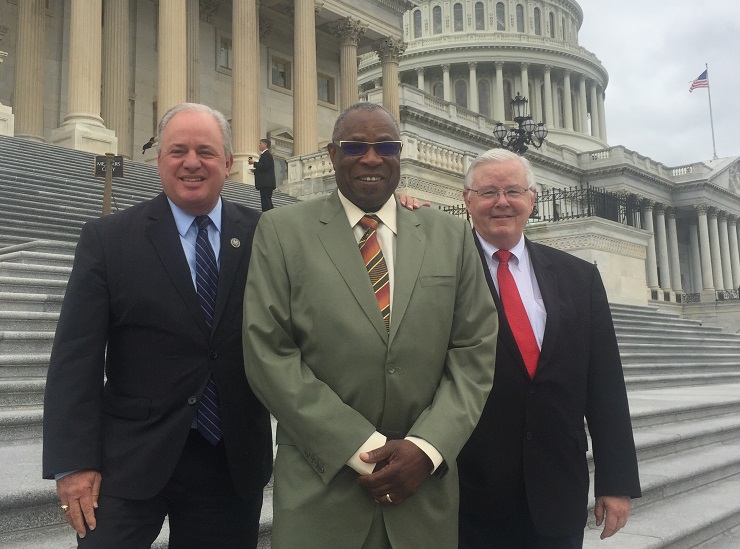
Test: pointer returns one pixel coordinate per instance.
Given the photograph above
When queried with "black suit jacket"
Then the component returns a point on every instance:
(264, 171)
(131, 290)
(531, 437)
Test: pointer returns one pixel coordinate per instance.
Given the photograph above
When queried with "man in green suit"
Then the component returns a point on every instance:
(371, 415)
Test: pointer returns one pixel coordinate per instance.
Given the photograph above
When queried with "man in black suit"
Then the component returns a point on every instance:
(130, 446)
(523, 474)
(264, 174)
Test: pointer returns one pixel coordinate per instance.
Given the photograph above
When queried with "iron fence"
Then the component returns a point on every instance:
(578, 202)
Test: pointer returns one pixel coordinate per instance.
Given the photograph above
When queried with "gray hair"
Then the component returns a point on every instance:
(220, 119)
(362, 106)
(499, 155)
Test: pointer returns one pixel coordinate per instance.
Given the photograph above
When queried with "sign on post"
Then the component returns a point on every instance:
(108, 166)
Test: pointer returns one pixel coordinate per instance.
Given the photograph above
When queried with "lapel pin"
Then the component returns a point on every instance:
(235, 243)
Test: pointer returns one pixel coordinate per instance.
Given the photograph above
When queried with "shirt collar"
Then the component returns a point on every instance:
(184, 220)
(387, 213)
(489, 249)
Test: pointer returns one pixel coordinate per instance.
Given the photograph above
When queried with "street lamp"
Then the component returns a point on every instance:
(529, 132)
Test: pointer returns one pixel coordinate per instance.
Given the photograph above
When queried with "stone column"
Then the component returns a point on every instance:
(715, 249)
(115, 104)
(82, 128)
(172, 61)
(7, 119)
(602, 117)
(525, 81)
(724, 252)
(696, 274)
(29, 70)
(305, 96)
(500, 113)
(192, 91)
(420, 79)
(556, 121)
(595, 128)
(390, 50)
(734, 251)
(707, 277)
(349, 32)
(672, 249)
(245, 88)
(582, 105)
(549, 120)
(446, 91)
(473, 87)
(650, 261)
(567, 102)
(661, 244)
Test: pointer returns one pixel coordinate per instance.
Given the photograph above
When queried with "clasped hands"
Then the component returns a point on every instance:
(401, 468)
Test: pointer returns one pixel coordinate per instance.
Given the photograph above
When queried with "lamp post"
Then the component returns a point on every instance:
(527, 133)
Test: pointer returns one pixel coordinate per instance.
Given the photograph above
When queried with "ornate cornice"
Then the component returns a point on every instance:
(390, 49)
(596, 242)
(348, 30)
(427, 186)
(208, 9)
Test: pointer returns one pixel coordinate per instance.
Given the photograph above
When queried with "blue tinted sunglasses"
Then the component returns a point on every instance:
(360, 148)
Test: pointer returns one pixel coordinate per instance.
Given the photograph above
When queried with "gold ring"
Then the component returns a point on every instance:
(388, 498)
(64, 508)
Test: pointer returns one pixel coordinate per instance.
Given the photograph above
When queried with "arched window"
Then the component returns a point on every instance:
(438, 90)
(417, 24)
(457, 16)
(537, 22)
(508, 96)
(561, 108)
(552, 24)
(461, 93)
(480, 16)
(437, 20)
(484, 98)
(500, 16)
(519, 18)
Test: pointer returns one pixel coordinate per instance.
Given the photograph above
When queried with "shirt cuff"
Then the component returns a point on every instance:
(376, 440)
(429, 450)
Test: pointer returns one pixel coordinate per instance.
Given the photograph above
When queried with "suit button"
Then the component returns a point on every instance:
(213, 354)
(529, 435)
(192, 400)
(531, 390)
(391, 369)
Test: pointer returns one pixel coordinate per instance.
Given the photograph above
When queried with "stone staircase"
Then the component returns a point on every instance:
(683, 379)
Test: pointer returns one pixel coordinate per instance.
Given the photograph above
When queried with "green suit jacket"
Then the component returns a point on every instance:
(318, 355)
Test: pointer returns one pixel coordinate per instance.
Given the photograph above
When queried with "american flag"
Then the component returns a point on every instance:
(701, 81)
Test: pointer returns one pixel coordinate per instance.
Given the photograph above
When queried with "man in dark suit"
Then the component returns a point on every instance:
(523, 474)
(264, 174)
(130, 446)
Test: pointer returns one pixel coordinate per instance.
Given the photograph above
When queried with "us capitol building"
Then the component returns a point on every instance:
(96, 75)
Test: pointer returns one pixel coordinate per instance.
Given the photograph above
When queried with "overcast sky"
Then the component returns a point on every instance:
(652, 50)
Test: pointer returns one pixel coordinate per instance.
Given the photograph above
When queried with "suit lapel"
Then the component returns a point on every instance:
(506, 336)
(234, 239)
(410, 244)
(340, 245)
(547, 280)
(162, 233)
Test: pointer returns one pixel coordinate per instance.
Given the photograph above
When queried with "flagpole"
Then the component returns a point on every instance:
(711, 118)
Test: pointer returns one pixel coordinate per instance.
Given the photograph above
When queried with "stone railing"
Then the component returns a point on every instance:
(622, 154)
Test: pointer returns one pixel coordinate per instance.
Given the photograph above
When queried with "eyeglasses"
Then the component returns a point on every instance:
(360, 148)
(489, 193)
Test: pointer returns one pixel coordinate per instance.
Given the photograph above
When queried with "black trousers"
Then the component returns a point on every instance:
(266, 198)
(203, 508)
(480, 532)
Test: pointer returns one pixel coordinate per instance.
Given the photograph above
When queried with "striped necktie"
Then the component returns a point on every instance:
(515, 313)
(206, 282)
(376, 267)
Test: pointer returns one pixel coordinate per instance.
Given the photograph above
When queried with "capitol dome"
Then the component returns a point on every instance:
(479, 55)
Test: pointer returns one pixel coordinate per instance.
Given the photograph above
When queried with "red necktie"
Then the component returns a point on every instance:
(515, 313)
